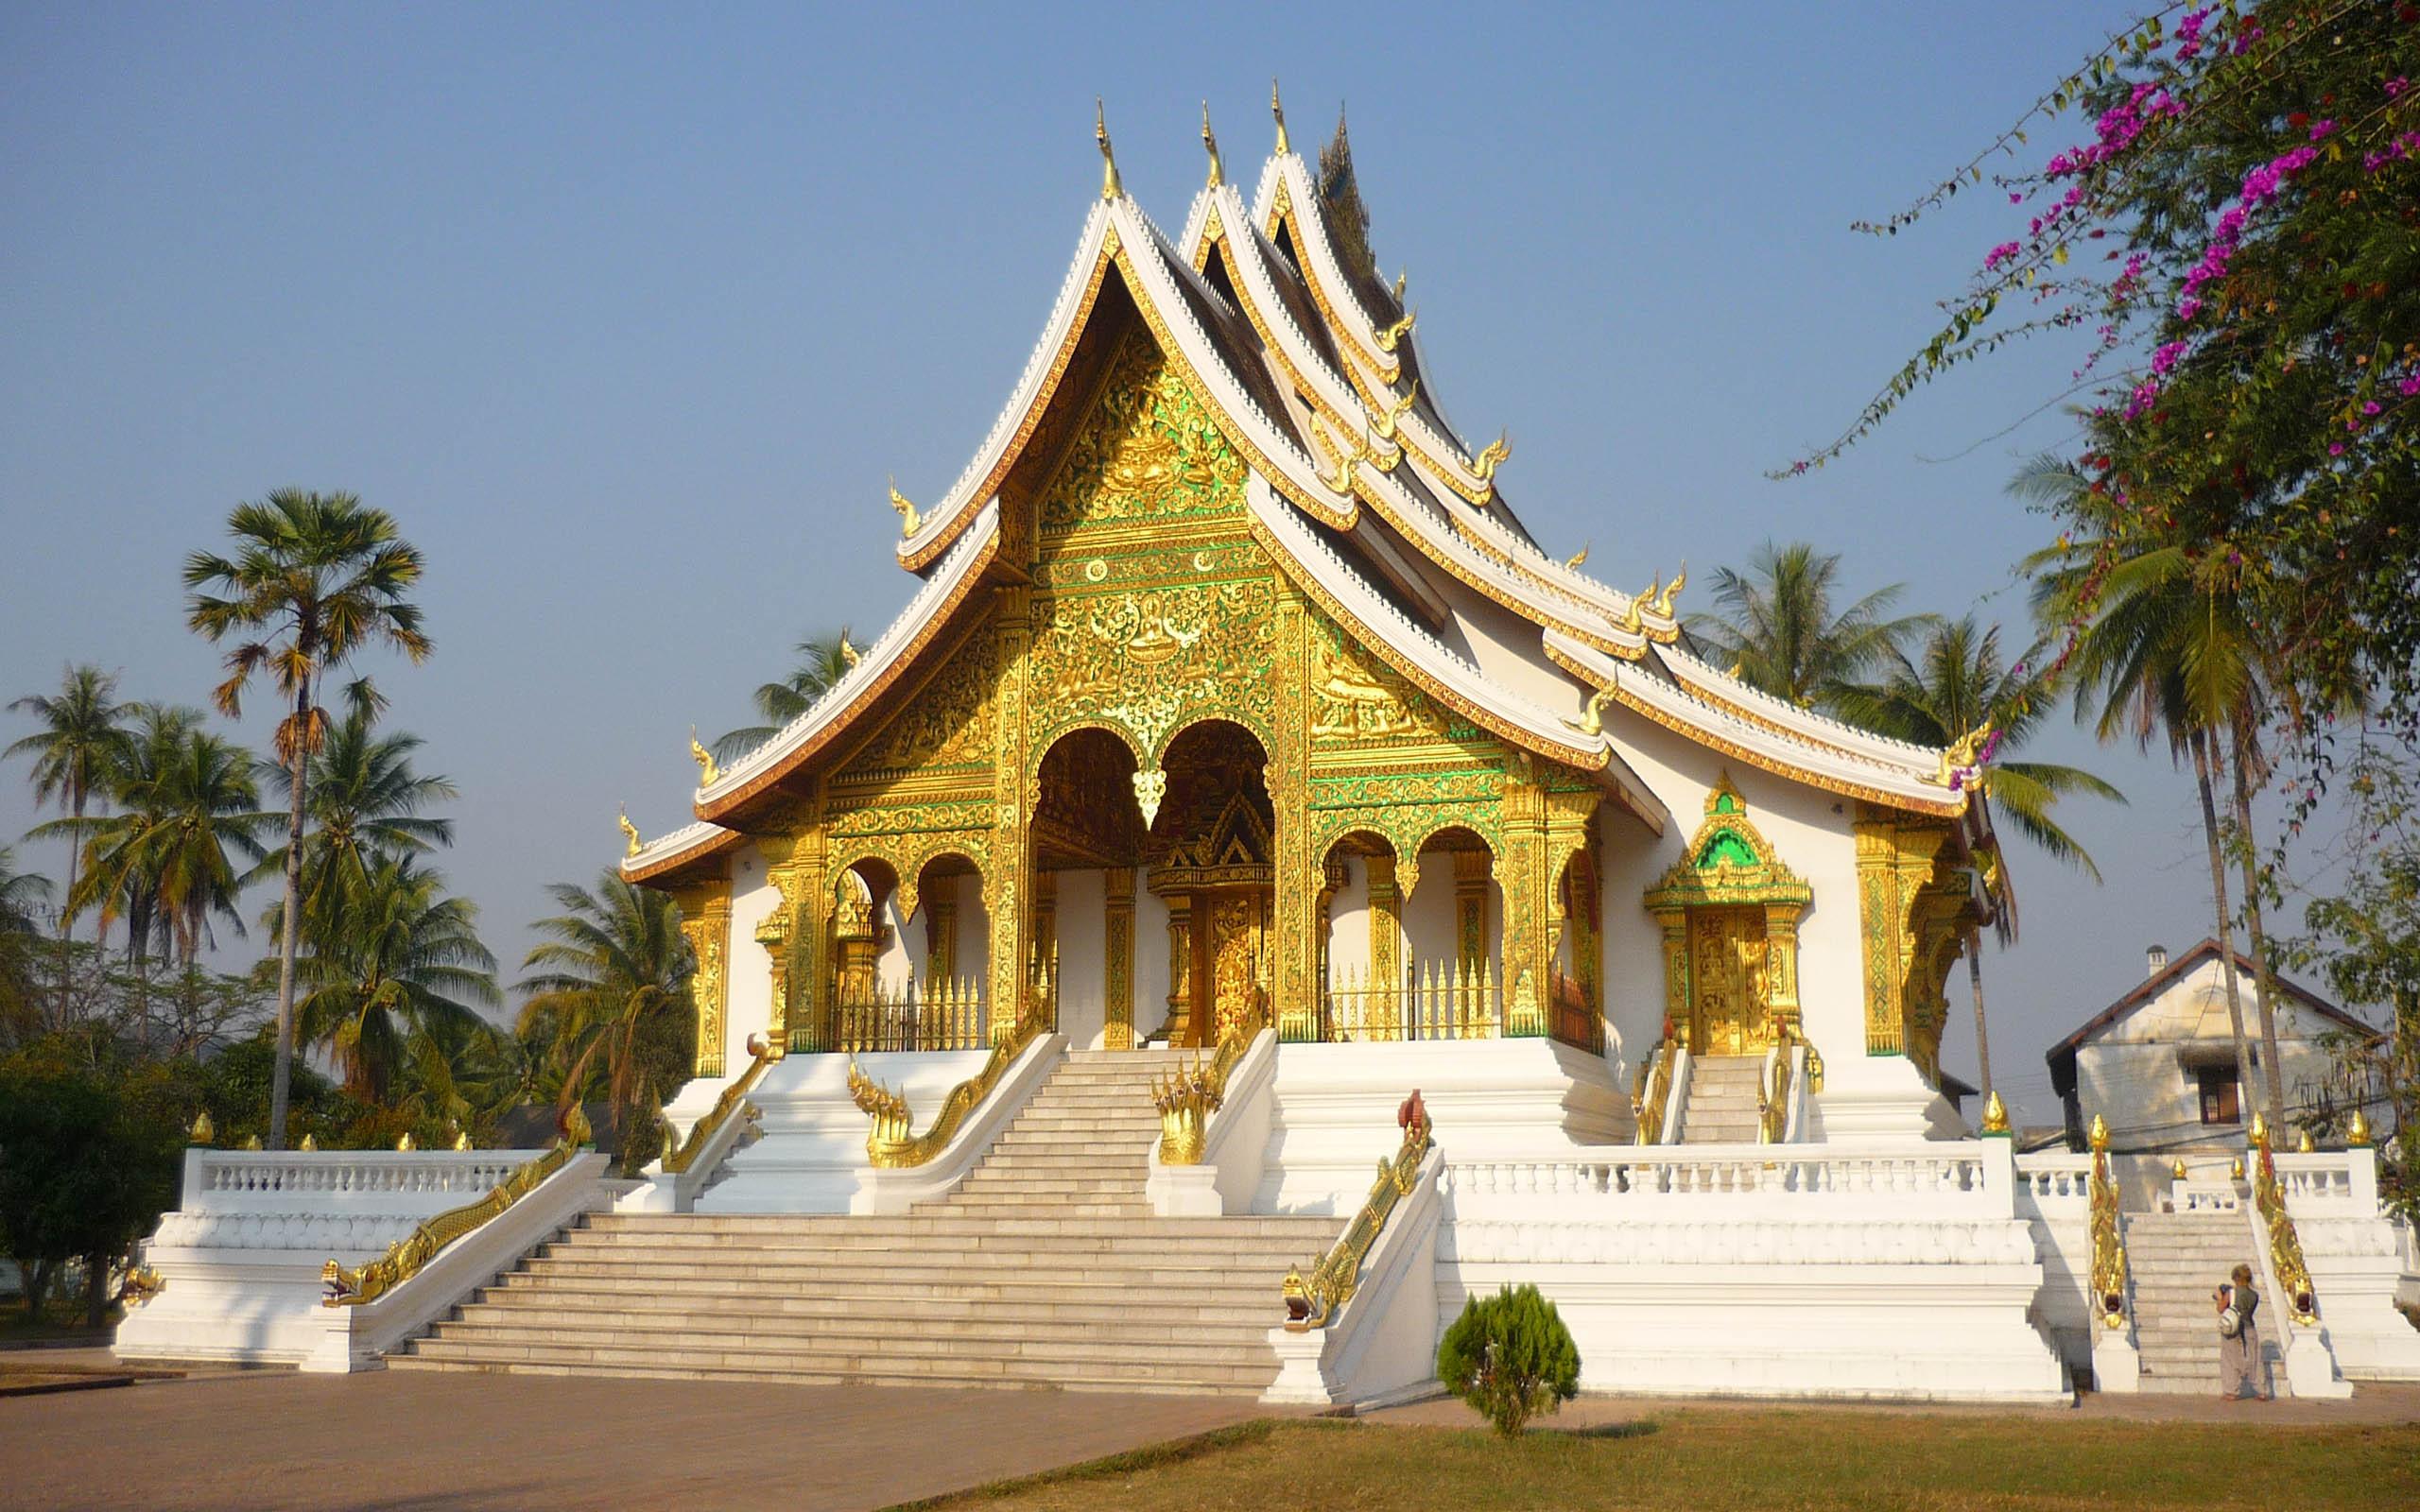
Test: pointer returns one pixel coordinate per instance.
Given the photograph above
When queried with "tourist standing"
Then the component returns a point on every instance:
(2242, 1369)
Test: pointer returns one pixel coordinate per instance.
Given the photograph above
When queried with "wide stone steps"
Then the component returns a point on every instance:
(2175, 1261)
(1721, 1104)
(1044, 1269)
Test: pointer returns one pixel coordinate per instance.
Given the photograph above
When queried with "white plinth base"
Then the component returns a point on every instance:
(2116, 1365)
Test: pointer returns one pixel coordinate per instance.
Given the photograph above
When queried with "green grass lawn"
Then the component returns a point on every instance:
(1685, 1459)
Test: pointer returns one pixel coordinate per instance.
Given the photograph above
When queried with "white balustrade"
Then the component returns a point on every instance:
(283, 1175)
(1969, 1178)
(2054, 1183)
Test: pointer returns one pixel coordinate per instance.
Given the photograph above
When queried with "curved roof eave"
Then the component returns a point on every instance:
(1759, 707)
(1894, 784)
(684, 847)
(879, 668)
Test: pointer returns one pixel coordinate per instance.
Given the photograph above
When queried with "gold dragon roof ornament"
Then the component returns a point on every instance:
(632, 844)
(909, 520)
(1494, 455)
(708, 773)
(1663, 605)
(1577, 560)
(1392, 336)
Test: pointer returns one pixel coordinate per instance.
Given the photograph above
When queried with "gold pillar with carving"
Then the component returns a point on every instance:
(1008, 887)
(1675, 924)
(1522, 871)
(1298, 874)
(1894, 860)
(1781, 969)
(1470, 908)
(941, 932)
(1118, 973)
(706, 925)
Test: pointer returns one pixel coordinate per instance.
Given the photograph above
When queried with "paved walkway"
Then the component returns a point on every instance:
(396, 1441)
(2370, 1405)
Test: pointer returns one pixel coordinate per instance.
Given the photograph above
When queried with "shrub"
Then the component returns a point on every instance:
(1510, 1357)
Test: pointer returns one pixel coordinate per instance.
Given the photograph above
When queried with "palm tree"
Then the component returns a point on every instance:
(821, 664)
(397, 964)
(615, 973)
(1776, 622)
(317, 579)
(23, 894)
(2164, 650)
(366, 805)
(187, 807)
(83, 737)
(1958, 682)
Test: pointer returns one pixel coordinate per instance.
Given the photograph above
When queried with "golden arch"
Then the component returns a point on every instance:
(1729, 911)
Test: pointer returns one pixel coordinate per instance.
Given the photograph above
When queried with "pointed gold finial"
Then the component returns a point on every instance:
(1592, 719)
(1277, 109)
(462, 1140)
(1484, 465)
(632, 844)
(1402, 276)
(1577, 560)
(1110, 188)
(2303, 1144)
(2259, 1129)
(1389, 337)
(1994, 1114)
(2098, 1133)
(2356, 1133)
(909, 520)
(1383, 421)
(2176, 1172)
(1210, 144)
(850, 655)
(203, 1130)
(708, 773)
(405, 1144)
(310, 1143)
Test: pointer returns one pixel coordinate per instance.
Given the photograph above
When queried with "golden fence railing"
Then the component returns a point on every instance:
(947, 1015)
(1440, 1000)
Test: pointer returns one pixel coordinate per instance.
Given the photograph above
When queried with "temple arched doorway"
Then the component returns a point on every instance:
(1212, 857)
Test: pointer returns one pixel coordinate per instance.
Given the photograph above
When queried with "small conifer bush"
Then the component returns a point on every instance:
(1510, 1357)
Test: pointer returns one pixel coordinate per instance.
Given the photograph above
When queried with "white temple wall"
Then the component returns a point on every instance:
(1429, 918)
(1348, 933)
(747, 987)
(1082, 970)
(902, 957)
(971, 953)
(1150, 960)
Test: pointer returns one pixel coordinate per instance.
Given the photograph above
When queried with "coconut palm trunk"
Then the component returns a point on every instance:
(2252, 922)
(1982, 1037)
(2204, 758)
(281, 1078)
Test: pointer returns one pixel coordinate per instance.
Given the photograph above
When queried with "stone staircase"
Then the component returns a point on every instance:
(1044, 1269)
(2175, 1261)
(1721, 1104)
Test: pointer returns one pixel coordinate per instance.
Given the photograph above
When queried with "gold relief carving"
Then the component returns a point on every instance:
(1353, 699)
(706, 925)
(1150, 451)
(1180, 1022)
(1385, 921)
(1007, 880)
(1298, 862)
(1148, 663)
(946, 724)
(973, 815)
(1912, 910)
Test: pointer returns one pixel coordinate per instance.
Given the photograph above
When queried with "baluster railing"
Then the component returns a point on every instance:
(946, 1015)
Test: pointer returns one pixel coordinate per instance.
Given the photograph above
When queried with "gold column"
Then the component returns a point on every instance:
(1675, 924)
(1179, 967)
(1008, 885)
(1895, 858)
(1117, 975)
(705, 923)
(1385, 925)
(1298, 874)
(1521, 869)
(1470, 907)
(1781, 969)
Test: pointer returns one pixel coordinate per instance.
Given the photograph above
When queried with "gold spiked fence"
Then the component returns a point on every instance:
(945, 1015)
(1438, 1000)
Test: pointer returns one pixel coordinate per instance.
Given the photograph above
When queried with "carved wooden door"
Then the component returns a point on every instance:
(1727, 973)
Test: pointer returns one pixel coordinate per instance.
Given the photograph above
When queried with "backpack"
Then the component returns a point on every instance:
(2230, 1323)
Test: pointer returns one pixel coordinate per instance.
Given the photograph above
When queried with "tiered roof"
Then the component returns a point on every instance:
(1376, 505)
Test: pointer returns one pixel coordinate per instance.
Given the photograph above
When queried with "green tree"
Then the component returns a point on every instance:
(1510, 1357)
(610, 994)
(1776, 621)
(316, 579)
(823, 661)
(367, 804)
(22, 896)
(81, 741)
(397, 963)
(1957, 682)
(87, 1165)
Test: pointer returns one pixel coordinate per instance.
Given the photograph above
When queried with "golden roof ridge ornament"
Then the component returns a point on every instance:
(1389, 338)
(1402, 276)
(1110, 190)
(708, 773)
(1663, 605)
(1210, 144)
(1592, 720)
(1277, 109)
(1384, 418)
(850, 655)
(1491, 457)
(633, 845)
(1577, 560)
(909, 520)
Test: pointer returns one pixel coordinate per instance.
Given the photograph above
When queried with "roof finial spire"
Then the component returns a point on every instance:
(1110, 187)
(1210, 144)
(1278, 110)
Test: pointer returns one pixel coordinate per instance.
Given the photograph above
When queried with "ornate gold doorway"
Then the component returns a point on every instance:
(1732, 1015)
(1217, 878)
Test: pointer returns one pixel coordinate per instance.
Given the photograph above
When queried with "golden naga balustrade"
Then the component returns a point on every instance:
(2108, 1244)
(1312, 1300)
(2285, 1244)
(1773, 1115)
(407, 1256)
(890, 1143)
(1652, 1095)
(1186, 1099)
(679, 1154)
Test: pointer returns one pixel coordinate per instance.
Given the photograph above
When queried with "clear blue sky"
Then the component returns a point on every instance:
(627, 315)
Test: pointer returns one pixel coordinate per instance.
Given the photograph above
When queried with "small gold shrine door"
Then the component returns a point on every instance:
(1727, 968)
